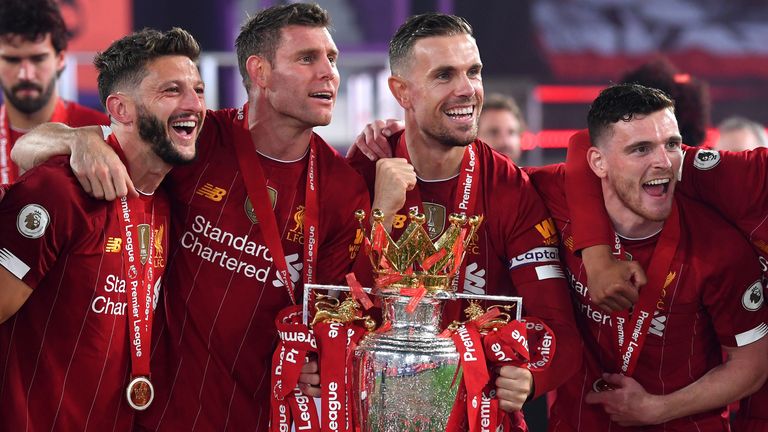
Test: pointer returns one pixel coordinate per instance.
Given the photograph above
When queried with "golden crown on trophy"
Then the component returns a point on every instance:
(413, 260)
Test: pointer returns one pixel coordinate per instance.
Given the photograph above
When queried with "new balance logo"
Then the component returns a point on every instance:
(114, 244)
(294, 268)
(474, 279)
(211, 192)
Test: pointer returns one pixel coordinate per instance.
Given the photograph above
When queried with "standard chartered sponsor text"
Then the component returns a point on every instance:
(206, 241)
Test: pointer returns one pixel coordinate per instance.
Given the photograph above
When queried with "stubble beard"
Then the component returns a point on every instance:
(449, 138)
(624, 191)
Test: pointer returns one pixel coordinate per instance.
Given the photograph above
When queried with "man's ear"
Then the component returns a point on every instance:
(399, 88)
(120, 108)
(259, 70)
(60, 62)
(597, 161)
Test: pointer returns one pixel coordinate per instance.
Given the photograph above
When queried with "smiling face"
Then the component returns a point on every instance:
(28, 71)
(443, 89)
(303, 81)
(638, 161)
(171, 108)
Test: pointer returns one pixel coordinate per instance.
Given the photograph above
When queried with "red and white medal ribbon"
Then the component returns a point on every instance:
(256, 185)
(139, 278)
(466, 195)
(630, 339)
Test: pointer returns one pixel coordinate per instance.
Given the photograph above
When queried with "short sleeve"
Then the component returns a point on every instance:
(734, 298)
(40, 216)
(730, 182)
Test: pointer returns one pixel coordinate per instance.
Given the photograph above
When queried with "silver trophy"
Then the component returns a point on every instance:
(405, 375)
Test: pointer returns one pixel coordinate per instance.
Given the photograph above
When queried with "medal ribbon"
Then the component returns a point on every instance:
(466, 195)
(140, 282)
(630, 345)
(8, 171)
(256, 186)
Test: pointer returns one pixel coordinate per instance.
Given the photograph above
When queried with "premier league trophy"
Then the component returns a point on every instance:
(404, 376)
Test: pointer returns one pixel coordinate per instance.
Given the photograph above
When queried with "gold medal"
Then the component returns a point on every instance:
(601, 385)
(140, 393)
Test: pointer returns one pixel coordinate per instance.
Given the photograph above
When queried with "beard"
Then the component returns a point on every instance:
(448, 138)
(630, 198)
(29, 105)
(155, 133)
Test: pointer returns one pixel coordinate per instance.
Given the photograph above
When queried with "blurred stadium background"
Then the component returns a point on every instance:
(553, 56)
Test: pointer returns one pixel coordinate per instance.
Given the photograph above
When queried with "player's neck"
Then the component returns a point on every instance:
(145, 168)
(626, 222)
(24, 122)
(432, 160)
(276, 135)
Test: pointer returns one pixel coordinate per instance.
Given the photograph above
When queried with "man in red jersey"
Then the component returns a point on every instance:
(439, 168)
(661, 363)
(33, 43)
(266, 197)
(79, 276)
(717, 179)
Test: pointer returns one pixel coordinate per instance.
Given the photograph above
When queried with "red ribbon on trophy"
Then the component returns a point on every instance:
(288, 403)
(337, 342)
(527, 343)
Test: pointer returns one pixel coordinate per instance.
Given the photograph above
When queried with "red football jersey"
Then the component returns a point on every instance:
(730, 182)
(708, 301)
(69, 113)
(213, 356)
(514, 252)
(64, 356)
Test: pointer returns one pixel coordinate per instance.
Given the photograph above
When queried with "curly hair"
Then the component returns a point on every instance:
(33, 20)
(622, 102)
(420, 27)
(124, 63)
(260, 35)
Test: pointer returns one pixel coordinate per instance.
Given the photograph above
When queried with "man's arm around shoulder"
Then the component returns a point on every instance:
(96, 166)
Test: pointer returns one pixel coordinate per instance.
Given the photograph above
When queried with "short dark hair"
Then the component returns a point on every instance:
(622, 102)
(500, 102)
(32, 20)
(691, 96)
(124, 62)
(421, 27)
(260, 35)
